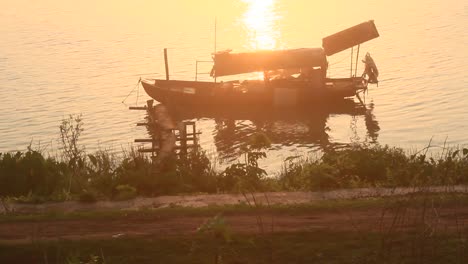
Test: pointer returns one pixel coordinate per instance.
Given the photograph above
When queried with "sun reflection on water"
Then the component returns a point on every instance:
(260, 23)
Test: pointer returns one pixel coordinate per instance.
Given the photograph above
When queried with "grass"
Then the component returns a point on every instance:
(299, 247)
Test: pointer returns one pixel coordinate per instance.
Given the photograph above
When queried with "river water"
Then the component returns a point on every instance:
(84, 57)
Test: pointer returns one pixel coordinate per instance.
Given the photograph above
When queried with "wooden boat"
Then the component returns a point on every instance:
(292, 77)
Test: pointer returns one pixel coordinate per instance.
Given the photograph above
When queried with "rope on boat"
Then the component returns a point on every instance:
(136, 87)
(138, 91)
(341, 60)
(149, 73)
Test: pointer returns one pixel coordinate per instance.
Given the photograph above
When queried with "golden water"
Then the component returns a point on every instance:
(69, 57)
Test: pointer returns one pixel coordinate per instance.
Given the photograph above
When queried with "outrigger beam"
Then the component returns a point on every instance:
(360, 100)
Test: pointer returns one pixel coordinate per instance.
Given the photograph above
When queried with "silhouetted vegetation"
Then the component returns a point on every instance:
(247, 175)
(31, 176)
(375, 166)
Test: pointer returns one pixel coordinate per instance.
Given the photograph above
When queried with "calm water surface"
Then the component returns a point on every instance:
(62, 57)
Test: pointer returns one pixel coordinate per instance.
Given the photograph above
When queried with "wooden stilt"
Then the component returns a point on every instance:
(160, 124)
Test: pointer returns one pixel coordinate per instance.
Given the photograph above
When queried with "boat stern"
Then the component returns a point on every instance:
(345, 87)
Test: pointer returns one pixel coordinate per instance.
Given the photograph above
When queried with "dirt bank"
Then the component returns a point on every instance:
(202, 200)
(131, 221)
(162, 225)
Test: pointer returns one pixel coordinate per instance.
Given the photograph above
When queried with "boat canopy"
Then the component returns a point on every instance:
(350, 37)
(227, 63)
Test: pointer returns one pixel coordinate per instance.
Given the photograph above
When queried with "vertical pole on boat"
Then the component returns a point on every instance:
(352, 51)
(214, 54)
(166, 64)
(357, 58)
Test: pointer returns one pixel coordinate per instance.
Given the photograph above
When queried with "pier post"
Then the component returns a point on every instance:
(164, 134)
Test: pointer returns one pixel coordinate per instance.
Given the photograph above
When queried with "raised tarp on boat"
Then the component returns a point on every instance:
(226, 63)
(350, 37)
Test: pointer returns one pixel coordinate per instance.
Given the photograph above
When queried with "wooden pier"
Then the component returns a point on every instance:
(166, 137)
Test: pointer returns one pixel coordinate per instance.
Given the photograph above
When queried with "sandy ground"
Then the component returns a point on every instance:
(251, 223)
(201, 200)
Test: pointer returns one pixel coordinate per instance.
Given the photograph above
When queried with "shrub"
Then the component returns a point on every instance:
(135, 170)
(73, 153)
(100, 172)
(246, 176)
(321, 176)
(291, 177)
(196, 172)
(185, 173)
(29, 173)
(87, 197)
(125, 192)
(359, 166)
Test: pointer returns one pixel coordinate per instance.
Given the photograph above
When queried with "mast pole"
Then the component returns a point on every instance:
(214, 54)
(166, 64)
(352, 51)
(357, 58)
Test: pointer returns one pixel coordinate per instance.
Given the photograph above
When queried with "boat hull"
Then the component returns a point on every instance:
(275, 93)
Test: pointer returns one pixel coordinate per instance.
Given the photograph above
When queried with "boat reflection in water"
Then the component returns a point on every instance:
(307, 127)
